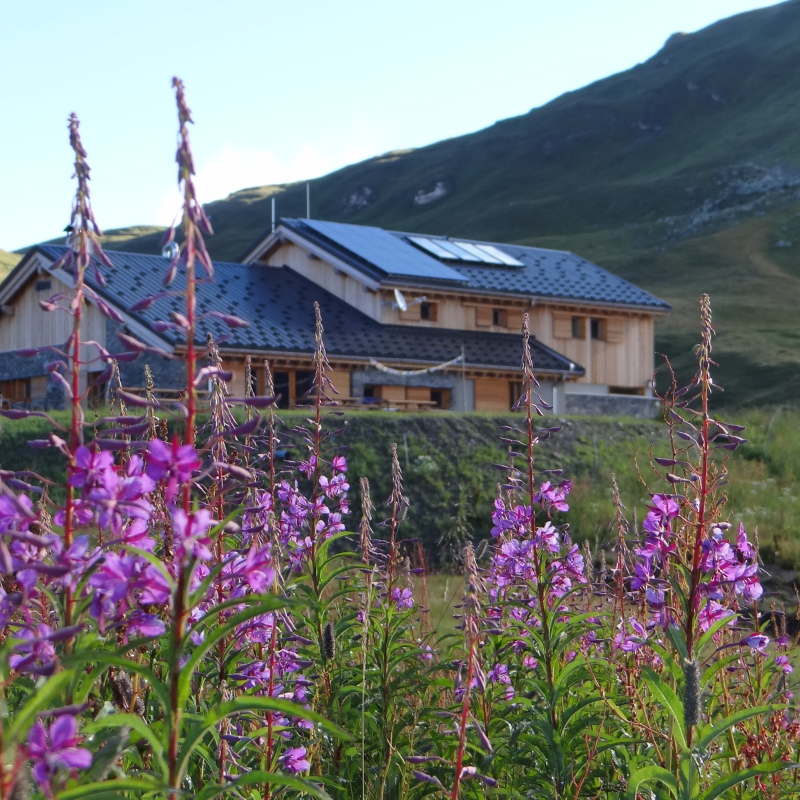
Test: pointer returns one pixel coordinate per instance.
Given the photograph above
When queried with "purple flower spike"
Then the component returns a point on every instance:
(55, 749)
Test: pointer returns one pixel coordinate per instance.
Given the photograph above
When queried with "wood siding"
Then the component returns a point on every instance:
(492, 394)
(29, 325)
(623, 357)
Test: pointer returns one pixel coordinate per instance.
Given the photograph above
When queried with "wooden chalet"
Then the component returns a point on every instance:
(396, 307)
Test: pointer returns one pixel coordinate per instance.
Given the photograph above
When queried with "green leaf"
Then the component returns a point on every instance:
(675, 635)
(666, 694)
(264, 605)
(651, 774)
(39, 699)
(706, 637)
(249, 703)
(257, 777)
(708, 733)
(137, 724)
(109, 789)
(726, 783)
(112, 660)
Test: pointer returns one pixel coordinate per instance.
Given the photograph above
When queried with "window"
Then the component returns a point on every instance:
(97, 391)
(597, 328)
(441, 397)
(428, 311)
(578, 328)
(281, 382)
(43, 286)
(515, 392)
(499, 317)
(17, 390)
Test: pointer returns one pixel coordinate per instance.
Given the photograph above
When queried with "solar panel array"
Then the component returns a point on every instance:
(469, 252)
(483, 266)
(383, 250)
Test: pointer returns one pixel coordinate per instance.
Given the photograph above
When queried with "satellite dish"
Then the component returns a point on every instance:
(170, 250)
(400, 301)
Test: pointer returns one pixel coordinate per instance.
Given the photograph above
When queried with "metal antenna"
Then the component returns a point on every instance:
(273, 215)
(308, 201)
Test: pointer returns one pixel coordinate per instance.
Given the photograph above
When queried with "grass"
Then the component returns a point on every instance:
(450, 461)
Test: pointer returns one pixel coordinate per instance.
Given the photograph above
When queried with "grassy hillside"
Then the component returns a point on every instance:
(448, 461)
(7, 262)
(681, 174)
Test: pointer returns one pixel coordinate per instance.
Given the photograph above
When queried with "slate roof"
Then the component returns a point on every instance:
(555, 274)
(279, 305)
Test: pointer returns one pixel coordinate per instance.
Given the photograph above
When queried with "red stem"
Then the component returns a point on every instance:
(462, 734)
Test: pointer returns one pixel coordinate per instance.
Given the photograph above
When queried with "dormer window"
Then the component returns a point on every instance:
(428, 311)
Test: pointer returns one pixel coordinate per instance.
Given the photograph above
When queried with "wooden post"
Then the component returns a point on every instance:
(588, 332)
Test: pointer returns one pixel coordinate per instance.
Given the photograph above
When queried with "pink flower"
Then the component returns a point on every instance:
(191, 533)
(90, 467)
(294, 760)
(403, 597)
(257, 569)
(175, 463)
(757, 642)
(783, 663)
(56, 749)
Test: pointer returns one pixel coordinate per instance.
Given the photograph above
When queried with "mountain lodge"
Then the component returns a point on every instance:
(411, 321)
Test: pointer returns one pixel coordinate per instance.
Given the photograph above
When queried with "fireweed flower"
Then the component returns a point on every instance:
(757, 642)
(191, 534)
(258, 570)
(554, 497)
(783, 663)
(16, 514)
(294, 760)
(55, 749)
(174, 463)
(36, 653)
(90, 467)
(404, 598)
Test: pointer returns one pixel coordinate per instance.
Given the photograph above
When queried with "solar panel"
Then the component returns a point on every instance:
(431, 245)
(481, 254)
(496, 252)
(457, 252)
(384, 250)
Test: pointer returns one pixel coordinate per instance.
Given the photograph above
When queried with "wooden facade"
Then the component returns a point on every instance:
(617, 351)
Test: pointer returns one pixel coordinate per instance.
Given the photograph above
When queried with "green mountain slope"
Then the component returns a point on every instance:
(7, 262)
(681, 174)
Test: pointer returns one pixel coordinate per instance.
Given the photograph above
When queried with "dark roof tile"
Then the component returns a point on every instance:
(279, 305)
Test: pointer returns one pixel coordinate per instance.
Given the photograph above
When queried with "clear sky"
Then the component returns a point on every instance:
(282, 91)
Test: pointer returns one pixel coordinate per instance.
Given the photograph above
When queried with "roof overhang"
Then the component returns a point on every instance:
(364, 361)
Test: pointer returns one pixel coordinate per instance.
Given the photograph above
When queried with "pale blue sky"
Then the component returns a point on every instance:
(282, 91)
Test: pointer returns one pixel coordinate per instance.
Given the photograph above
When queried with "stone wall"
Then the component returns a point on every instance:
(611, 405)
